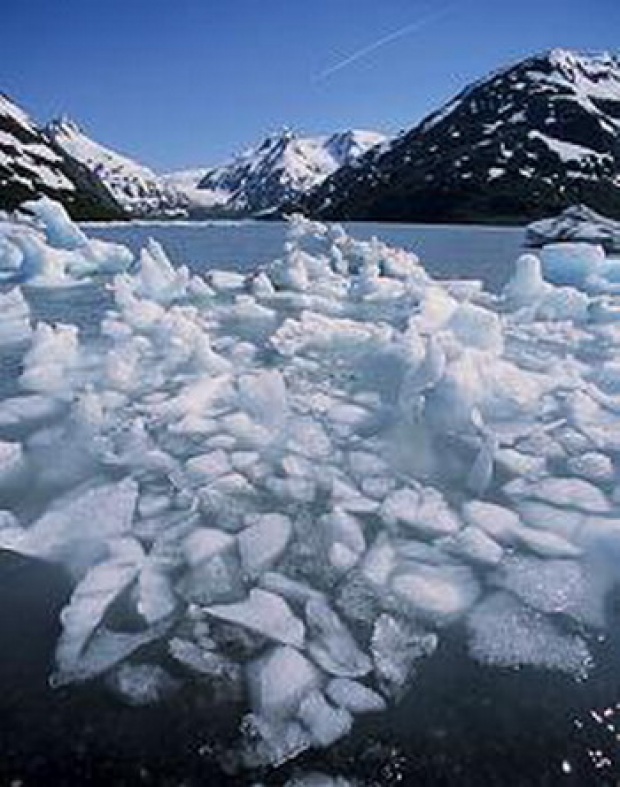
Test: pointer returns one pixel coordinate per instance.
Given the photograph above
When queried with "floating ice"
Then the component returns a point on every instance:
(295, 481)
(11, 462)
(325, 723)
(142, 684)
(48, 250)
(279, 681)
(265, 613)
(576, 264)
(507, 634)
(354, 696)
(262, 543)
(14, 318)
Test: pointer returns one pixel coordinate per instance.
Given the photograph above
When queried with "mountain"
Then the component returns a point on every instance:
(524, 143)
(282, 168)
(31, 165)
(201, 202)
(139, 191)
(576, 224)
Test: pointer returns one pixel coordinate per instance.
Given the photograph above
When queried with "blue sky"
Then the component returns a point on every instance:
(177, 83)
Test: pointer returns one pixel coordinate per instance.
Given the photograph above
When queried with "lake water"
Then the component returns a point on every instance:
(461, 725)
(484, 253)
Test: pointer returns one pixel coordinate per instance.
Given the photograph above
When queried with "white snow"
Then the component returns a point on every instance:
(566, 151)
(136, 187)
(281, 168)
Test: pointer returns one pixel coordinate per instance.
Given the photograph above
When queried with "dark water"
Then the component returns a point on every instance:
(461, 724)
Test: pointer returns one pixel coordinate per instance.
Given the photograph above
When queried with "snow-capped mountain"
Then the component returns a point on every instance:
(282, 168)
(30, 165)
(200, 202)
(526, 142)
(139, 191)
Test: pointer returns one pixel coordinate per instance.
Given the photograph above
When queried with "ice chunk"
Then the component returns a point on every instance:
(424, 511)
(354, 696)
(207, 663)
(571, 263)
(21, 414)
(401, 505)
(263, 542)
(547, 544)
(215, 578)
(279, 681)
(105, 650)
(592, 466)
(68, 254)
(157, 279)
(331, 644)
(142, 684)
(14, 318)
(325, 723)
(11, 461)
(526, 284)
(547, 517)
(76, 531)
(205, 542)
(60, 231)
(208, 467)
(263, 396)
(474, 545)
(439, 594)
(553, 587)
(476, 327)
(51, 358)
(500, 523)
(506, 634)
(267, 614)
(268, 742)
(379, 561)
(397, 648)
(564, 492)
(345, 536)
(157, 599)
(91, 599)
(295, 591)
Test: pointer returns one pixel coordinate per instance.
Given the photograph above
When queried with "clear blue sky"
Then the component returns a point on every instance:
(177, 83)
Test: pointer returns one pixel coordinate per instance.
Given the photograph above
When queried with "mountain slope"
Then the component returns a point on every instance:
(135, 187)
(281, 169)
(526, 142)
(30, 165)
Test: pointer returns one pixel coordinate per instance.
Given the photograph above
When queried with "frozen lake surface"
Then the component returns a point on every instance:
(128, 488)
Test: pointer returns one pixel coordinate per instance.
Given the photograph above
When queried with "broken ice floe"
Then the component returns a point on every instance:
(294, 481)
(42, 247)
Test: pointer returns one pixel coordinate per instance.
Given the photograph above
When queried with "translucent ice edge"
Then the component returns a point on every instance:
(295, 480)
(41, 247)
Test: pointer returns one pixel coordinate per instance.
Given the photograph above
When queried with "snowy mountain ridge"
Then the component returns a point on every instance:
(137, 188)
(527, 141)
(283, 167)
(31, 166)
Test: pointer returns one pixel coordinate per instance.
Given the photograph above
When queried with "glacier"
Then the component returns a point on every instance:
(295, 481)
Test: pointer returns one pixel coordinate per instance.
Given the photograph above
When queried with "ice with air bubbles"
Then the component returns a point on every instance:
(296, 481)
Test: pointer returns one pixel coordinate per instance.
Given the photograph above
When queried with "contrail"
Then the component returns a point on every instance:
(413, 27)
